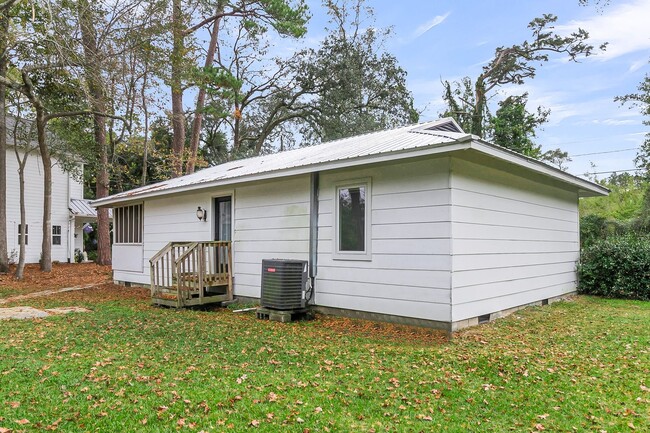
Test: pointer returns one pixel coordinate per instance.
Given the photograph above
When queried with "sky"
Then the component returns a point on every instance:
(446, 40)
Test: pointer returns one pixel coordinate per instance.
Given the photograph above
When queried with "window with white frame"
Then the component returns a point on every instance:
(56, 235)
(20, 232)
(353, 220)
(128, 224)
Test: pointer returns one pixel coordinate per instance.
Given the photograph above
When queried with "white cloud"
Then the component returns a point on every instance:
(422, 29)
(615, 122)
(623, 26)
(635, 66)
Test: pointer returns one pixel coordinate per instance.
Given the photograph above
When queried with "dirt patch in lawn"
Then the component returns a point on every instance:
(34, 313)
(62, 275)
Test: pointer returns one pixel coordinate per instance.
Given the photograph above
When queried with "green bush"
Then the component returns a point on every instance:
(617, 267)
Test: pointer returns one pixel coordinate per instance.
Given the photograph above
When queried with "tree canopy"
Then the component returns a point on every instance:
(512, 126)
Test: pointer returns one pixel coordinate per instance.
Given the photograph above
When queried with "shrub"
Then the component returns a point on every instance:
(92, 255)
(617, 267)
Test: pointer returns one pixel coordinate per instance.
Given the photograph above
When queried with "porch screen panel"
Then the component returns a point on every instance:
(128, 224)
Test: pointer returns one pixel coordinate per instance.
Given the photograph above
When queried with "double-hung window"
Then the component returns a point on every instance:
(56, 235)
(20, 232)
(128, 224)
(352, 224)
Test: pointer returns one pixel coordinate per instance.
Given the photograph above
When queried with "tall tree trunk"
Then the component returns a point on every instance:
(95, 84)
(22, 162)
(20, 268)
(145, 150)
(236, 132)
(46, 246)
(200, 99)
(46, 159)
(4, 29)
(178, 115)
(479, 108)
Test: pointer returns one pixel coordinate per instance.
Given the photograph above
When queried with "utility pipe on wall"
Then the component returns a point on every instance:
(313, 230)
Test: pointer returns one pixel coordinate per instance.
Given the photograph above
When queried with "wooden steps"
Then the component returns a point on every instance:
(186, 274)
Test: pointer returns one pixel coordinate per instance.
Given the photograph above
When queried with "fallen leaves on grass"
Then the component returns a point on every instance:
(387, 331)
(62, 275)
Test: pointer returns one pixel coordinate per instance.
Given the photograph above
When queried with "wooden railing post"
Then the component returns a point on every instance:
(229, 270)
(200, 269)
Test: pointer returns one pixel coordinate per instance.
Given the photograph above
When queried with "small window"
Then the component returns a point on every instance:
(128, 224)
(56, 235)
(353, 221)
(20, 232)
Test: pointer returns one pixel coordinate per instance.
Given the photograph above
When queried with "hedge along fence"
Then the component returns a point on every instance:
(617, 267)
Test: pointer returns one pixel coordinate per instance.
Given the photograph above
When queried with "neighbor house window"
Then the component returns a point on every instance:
(128, 224)
(20, 232)
(56, 235)
(353, 220)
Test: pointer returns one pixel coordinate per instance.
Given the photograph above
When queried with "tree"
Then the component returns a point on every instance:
(641, 100)
(22, 135)
(360, 87)
(97, 98)
(43, 75)
(285, 16)
(5, 7)
(467, 101)
(349, 85)
(514, 127)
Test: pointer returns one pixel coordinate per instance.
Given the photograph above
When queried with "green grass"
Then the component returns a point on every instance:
(581, 366)
(6, 292)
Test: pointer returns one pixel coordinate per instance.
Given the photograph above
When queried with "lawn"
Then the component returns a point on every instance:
(576, 366)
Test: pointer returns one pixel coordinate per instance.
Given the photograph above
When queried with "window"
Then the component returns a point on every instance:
(128, 224)
(20, 232)
(56, 235)
(353, 221)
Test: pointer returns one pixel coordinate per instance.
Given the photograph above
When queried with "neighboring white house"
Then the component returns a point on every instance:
(421, 224)
(70, 212)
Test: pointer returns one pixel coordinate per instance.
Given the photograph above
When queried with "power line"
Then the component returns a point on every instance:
(603, 152)
(613, 171)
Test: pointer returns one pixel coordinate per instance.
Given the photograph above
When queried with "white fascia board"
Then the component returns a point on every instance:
(585, 187)
(462, 144)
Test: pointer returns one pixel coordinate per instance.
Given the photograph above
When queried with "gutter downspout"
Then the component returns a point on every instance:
(313, 233)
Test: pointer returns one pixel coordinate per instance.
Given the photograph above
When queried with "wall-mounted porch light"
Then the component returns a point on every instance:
(202, 214)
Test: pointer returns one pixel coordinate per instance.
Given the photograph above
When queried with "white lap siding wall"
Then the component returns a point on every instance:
(271, 221)
(408, 273)
(515, 240)
(64, 187)
(168, 219)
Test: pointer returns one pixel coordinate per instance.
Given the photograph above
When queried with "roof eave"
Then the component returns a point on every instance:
(462, 143)
(585, 187)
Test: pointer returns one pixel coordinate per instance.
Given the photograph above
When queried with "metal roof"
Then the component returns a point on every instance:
(82, 208)
(408, 141)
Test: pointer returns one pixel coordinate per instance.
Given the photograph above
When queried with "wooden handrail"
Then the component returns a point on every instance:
(188, 268)
(161, 253)
(190, 247)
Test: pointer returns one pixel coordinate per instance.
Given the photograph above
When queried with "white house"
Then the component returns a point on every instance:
(69, 209)
(422, 224)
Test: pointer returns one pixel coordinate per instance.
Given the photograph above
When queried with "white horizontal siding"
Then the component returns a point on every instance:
(271, 221)
(410, 308)
(515, 240)
(63, 185)
(166, 220)
(409, 271)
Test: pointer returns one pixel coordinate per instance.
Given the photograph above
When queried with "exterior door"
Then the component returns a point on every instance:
(222, 229)
(223, 218)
